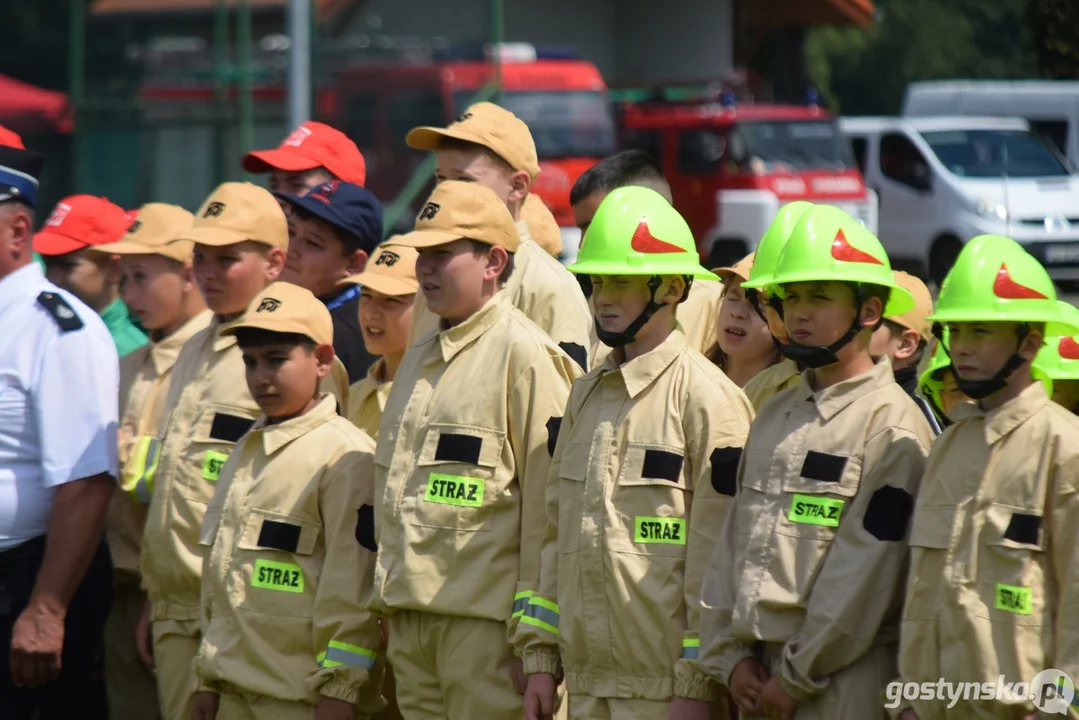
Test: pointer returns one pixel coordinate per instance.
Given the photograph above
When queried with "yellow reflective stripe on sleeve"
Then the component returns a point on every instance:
(520, 602)
(691, 648)
(542, 614)
(342, 653)
(212, 463)
(138, 477)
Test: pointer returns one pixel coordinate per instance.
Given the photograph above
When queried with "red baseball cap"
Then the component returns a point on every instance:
(10, 138)
(80, 221)
(312, 145)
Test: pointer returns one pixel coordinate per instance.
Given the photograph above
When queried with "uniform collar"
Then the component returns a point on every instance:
(18, 284)
(521, 258)
(1001, 421)
(455, 339)
(277, 436)
(641, 371)
(374, 383)
(222, 342)
(832, 400)
(163, 353)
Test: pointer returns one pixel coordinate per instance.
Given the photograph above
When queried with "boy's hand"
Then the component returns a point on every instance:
(747, 682)
(204, 706)
(540, 697)
(517, 674)
(686, 709)
(334, 709)
(775, 702)
(144, 636)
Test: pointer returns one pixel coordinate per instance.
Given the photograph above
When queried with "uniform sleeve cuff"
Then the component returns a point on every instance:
(340, 690)
(542, 661)
(697, 687)
(797, 693)
(729, 661)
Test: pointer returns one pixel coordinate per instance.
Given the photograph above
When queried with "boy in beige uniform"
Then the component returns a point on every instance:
(994, 572)
(160, 289)
(461, 468)
(644, 466)
(286, 568)
(240, 235)
(387, 302)
(904, 338)
(786, 373)
(492, 147)
(802, 596)
(699, 311)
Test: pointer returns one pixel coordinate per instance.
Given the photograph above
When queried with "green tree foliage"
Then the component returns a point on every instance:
(866, 72)
(1055, 25)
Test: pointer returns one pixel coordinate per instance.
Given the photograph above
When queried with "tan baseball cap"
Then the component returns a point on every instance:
(457, 210)
(153, 232)
(390, 271)
(740, 269)
(237, 212)
(541, 225)
(491, 126)
(915, 319)
(286, 308)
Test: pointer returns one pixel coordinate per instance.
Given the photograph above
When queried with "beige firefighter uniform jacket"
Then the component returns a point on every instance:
(771, 381)
(144, 384)
(461, 468)
(367, 399)
(994, 575)
(287, 564)
(644, 469)
(813, 553)
(207, 411)
(542, 289)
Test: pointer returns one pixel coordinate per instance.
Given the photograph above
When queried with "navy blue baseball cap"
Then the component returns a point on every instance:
(350, 208)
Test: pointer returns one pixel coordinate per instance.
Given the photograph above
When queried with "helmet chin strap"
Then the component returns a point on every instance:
(817, 357)
(628, 335)
(981, 389)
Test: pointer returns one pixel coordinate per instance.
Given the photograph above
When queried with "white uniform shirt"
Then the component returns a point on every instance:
(59, 386)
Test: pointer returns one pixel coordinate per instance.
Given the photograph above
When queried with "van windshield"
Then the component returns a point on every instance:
(995, 153)
(564, 124)
(778, 146)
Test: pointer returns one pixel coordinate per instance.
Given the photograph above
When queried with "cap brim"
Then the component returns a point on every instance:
(383, 284)
(264, 161)
(125, 248)
(217, 237)
(317, 208)
(430, 138)
(427, 238)
(47, 243)
(726, 273)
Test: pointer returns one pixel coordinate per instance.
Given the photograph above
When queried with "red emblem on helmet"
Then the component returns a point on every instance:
(645, 242)
(844, 251)
(1007, 289)
(1068, 348)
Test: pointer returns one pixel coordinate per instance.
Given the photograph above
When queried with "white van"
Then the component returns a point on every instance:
(1051, 106)
(944, 180)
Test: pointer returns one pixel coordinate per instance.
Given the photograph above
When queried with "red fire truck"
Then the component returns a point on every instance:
(562, 99)
(731, 166)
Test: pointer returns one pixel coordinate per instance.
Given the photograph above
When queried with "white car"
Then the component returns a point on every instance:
(944, 180)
